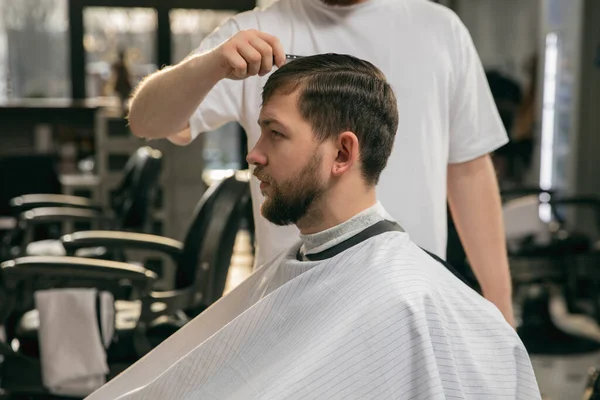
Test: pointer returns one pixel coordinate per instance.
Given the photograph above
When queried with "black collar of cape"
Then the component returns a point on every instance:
(373, 230)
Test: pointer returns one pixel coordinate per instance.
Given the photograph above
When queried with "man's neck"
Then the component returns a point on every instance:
(334, 209)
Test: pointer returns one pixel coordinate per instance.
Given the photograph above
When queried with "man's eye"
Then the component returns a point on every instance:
(276, 134)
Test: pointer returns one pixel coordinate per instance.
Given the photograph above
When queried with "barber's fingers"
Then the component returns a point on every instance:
(238, 66)
(266, 55)
(249, 53)
(252, 57)
(278, 52)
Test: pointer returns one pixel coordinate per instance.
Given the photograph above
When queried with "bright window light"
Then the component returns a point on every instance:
(548, 120)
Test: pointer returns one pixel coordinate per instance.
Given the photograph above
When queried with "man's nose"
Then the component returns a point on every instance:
(256, 157)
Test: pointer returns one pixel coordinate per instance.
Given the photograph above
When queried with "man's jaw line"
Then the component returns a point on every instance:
(333, 209)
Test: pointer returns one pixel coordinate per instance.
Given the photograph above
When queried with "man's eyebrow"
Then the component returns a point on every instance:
(265, 122)
(268, 121)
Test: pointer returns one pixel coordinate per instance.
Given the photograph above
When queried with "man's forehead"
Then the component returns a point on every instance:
(279, 106)
(282, 98)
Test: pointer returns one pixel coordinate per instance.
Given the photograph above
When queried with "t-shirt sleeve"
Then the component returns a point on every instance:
(475, 124)
(224, 102)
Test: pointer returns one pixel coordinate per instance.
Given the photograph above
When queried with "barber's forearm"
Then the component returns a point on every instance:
(476, 208)
(164, 102)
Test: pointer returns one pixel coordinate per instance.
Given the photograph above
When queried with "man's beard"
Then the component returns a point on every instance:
(290, 200)
(340, 2)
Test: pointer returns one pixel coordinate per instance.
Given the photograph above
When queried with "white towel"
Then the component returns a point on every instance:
(72, 344)
(49, 247)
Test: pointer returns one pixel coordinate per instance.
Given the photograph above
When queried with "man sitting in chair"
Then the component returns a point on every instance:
(354, 309)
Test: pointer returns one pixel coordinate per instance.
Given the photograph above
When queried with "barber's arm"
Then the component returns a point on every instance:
(164, 102)
(476, 208)
(475, 131)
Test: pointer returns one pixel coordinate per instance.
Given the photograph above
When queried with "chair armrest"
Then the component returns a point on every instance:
(7, 223)
(60, 214)
(585, 200)
(22, 277)
(526, 270)
(28, 274)
(158, 304)
(591, 202)
(121, 240)
(30, 201)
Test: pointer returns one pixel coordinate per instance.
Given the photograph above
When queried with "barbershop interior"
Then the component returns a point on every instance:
(112, 241)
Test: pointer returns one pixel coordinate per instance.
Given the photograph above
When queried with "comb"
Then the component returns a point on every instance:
(292, 56)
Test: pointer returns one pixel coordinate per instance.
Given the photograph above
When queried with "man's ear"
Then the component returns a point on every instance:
(347, 153)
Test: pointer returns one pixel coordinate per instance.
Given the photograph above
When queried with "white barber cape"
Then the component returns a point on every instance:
(379, 320)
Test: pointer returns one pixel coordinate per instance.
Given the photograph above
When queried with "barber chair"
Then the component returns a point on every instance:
(129, 208)
(20, 366)
(546, 264)
(583, 286)
(456, 255)
(202, 261)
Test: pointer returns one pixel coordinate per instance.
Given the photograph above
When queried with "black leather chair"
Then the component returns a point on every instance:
(20, 368)
(581, 257)
(565, 263)
(203, 259)
(202, 263)
(456, 255)
(129, 209)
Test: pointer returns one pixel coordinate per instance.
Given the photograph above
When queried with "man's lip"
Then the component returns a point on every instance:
(263, 184)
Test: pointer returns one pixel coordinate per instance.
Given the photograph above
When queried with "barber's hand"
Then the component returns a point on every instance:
(249, 53)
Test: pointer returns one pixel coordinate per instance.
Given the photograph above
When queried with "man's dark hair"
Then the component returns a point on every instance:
(339, 93)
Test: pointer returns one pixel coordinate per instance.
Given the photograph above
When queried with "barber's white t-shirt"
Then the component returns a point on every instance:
(447, 113)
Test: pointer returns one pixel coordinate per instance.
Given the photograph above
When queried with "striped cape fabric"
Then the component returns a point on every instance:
(380, 320)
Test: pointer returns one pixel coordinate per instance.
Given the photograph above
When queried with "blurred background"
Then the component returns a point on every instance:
(68, 66)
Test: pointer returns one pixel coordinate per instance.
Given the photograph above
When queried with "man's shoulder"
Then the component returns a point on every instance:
(259, 16)
(392, 243)
(391, 253)
(431, 18)
(395, 254)
(399, 271)
(272, 19)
